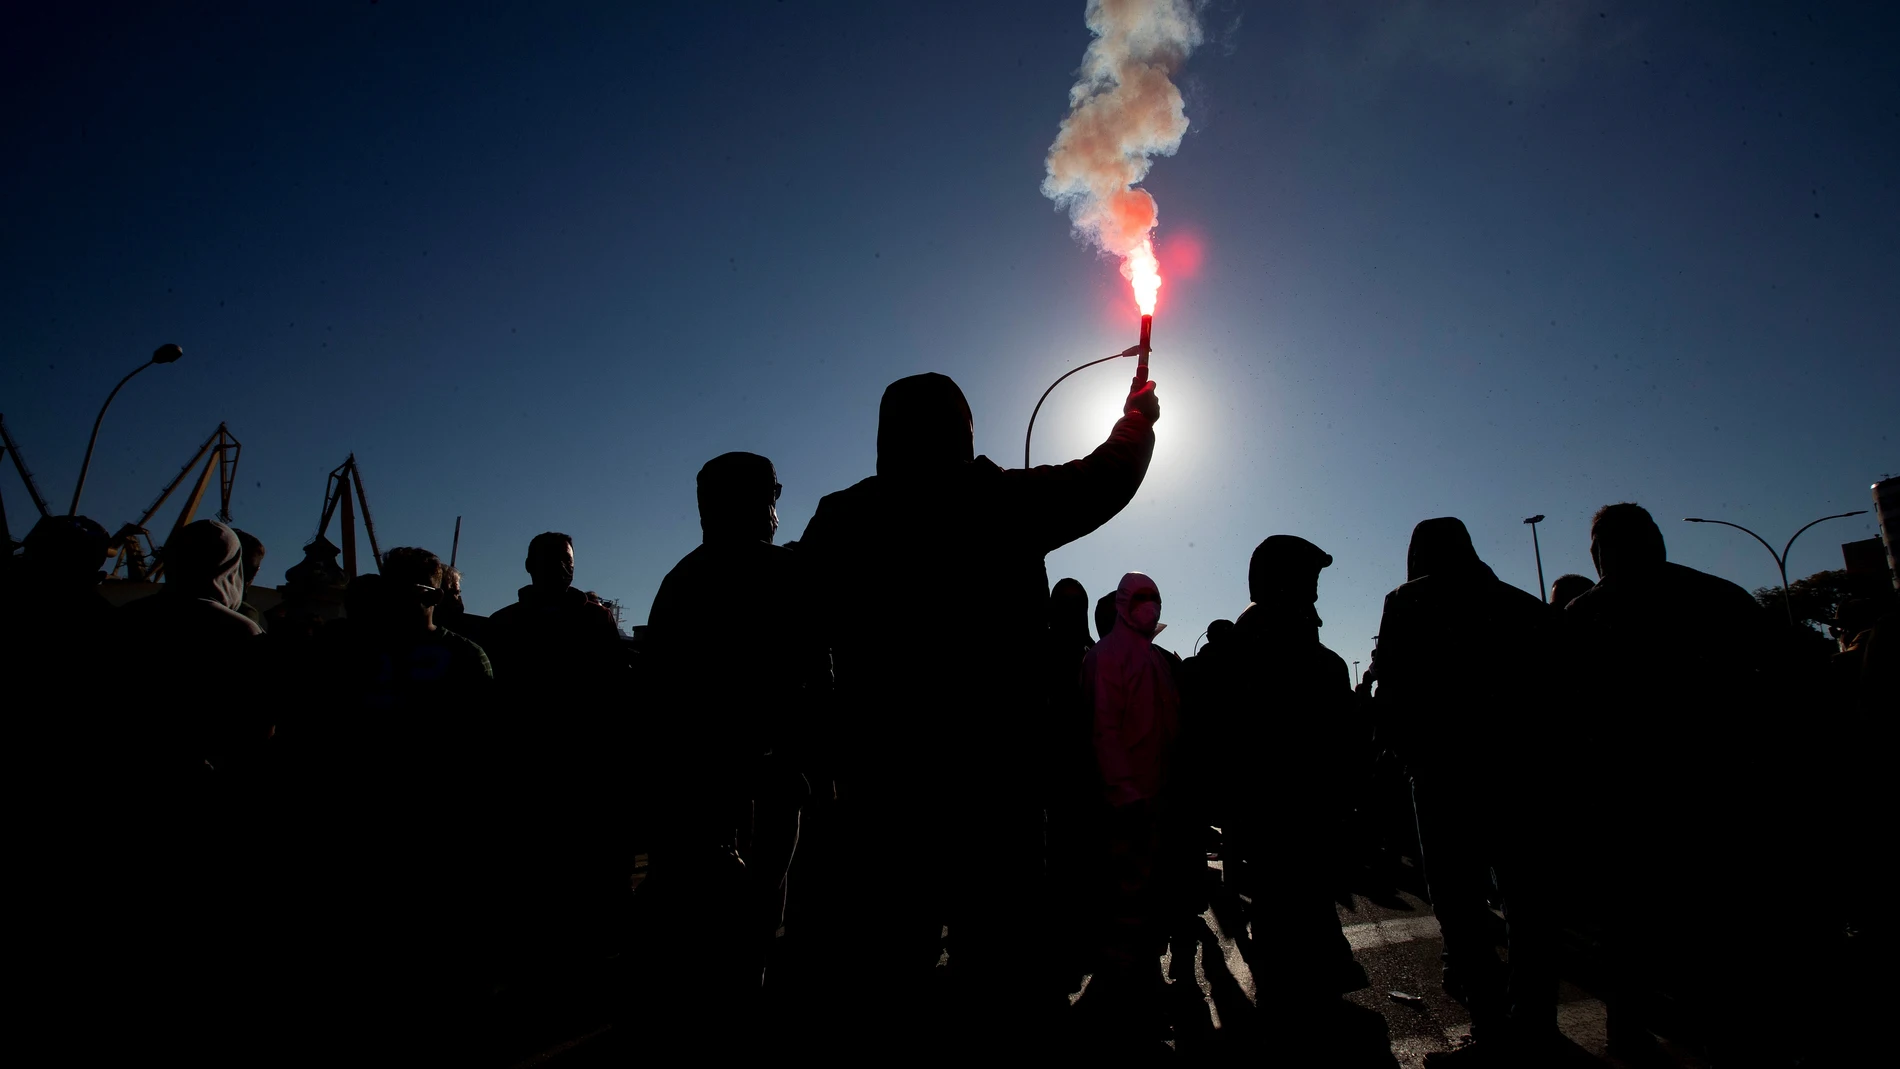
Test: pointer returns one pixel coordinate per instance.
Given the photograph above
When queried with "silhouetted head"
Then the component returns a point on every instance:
(1440, 546)
(1069, 611)
(206, 560)
(65, 551)
(451, 607)
(738, 498)
(364, 601)
(1565, 588)
(1138, 605)
(923, 427)
(412, 586)
(1624, 537)
(1219, 630)
(253, 548)
(316, 572)
(1285, 569)
(551, 560)
(1853, 618)
(1105, 615)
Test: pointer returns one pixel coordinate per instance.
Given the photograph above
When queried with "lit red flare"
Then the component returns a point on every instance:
(1143, 273)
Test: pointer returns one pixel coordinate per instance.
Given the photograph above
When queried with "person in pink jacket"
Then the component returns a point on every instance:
(1129, 683)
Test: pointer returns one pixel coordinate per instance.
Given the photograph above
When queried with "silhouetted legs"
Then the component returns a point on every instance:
(1467, 834)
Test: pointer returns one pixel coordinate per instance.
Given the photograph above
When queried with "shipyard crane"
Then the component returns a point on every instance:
(219, 452)
(344, 489)
(12, 450)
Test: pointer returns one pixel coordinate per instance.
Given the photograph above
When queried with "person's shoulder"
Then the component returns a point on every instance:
(1523, 602)
(862, 490)
(1713, 585)
(684, 568)
(1585, 603)
(1411, 591)
(455, 639)
(229, 620)
(858, 497)
(460, 645)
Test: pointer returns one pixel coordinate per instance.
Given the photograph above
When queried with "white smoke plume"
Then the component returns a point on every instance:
(1123, 111)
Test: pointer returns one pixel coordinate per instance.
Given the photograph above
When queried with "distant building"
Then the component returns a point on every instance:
(1865, 557)
(1887, 508)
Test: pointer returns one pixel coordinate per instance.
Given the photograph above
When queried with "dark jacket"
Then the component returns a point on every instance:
(1275, 709)
(545, 637)
(1674, 658)
(918, 708)
(1462, 655)
(728, 646)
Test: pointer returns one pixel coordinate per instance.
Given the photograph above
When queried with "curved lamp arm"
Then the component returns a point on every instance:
(1052, 386)
(1797, 534)
(1749, 533)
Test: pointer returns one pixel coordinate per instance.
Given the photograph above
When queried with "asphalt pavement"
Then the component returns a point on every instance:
(1218, 1013)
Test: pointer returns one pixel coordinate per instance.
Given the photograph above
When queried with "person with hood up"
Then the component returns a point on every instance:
(937, 751)
(188, 817)
(1129, 684)
(741, 680)
(194, 622)
(1285, 754)
(1460, 652)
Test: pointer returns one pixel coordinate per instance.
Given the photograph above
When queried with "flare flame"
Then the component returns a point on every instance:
(1143, 273)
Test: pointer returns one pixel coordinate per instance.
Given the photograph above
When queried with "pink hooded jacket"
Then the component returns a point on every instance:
(1131, 687)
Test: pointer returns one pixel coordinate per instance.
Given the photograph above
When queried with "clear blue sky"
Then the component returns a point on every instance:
(535, 264)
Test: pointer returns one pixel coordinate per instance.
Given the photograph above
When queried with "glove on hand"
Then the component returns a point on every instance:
(1141, 402)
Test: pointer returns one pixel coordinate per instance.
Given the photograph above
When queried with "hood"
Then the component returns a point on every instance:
(1135, 583)
(738, 498)
(1069, 613)
(923, 426)
(1440, 546)
(205, 560)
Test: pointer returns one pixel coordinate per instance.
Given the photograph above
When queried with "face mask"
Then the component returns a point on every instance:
(1145, 616)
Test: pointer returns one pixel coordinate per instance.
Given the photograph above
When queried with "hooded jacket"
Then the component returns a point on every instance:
(204, 585)
(188, 635)
(1460, 652)
(936, 517)
(1131, 689)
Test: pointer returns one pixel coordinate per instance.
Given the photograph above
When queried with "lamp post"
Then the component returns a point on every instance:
(164, 354)
(1542, 594)
(1781, 558)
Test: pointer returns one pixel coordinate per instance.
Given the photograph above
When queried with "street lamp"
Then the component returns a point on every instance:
(1542, 594)
(1781, 558)
(164, 354)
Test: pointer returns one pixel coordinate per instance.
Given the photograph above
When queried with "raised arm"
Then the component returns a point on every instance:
(1059, 503)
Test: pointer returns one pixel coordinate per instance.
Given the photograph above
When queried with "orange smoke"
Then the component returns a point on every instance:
(1123, 111)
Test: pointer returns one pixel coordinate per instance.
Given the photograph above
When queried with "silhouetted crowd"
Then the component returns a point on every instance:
(879, 794)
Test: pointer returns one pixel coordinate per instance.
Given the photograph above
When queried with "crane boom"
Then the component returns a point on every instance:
(19, 465)
(345, 480)
(219, 451)
(12, 449)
